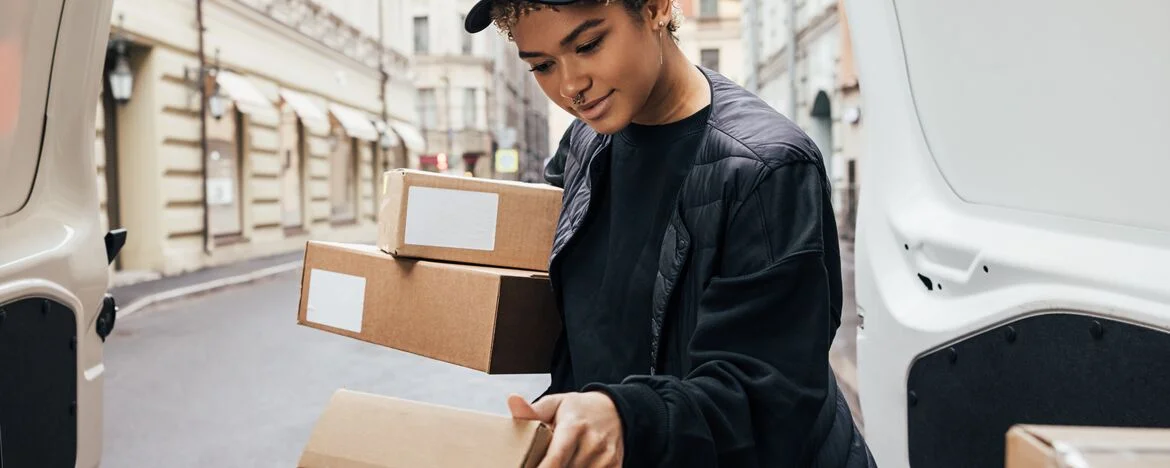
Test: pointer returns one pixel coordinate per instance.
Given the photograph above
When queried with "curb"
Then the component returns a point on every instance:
(220, 283)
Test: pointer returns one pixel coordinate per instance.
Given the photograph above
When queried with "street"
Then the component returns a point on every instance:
(230, 379)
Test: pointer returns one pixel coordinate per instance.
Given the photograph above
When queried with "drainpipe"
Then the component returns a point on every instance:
(385, 81)
(381, 60)
(794, 30)
(752, 18)
(203, 126)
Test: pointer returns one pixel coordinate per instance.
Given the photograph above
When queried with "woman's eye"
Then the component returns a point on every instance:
(589, 47)
(541, 67)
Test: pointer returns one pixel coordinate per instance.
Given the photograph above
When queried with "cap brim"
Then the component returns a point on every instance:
(480, 16)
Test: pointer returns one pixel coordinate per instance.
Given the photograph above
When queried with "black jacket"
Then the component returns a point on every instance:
(746, 302)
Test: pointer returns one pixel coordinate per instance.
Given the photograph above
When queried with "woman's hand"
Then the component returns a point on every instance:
(587, 431)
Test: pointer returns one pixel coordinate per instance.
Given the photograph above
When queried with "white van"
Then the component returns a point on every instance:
(54, 311)
(1013, 254)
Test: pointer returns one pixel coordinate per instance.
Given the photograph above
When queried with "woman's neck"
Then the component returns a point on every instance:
(681, 90)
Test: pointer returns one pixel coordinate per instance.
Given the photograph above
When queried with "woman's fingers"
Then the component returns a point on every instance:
(521, 409)
(563, 447)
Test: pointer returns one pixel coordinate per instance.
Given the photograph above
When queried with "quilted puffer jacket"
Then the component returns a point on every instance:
(746, 302)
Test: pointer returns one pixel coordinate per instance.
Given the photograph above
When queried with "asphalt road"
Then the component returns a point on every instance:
(229, 379)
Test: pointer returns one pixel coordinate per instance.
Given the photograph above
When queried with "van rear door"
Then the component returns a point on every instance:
(53, 256)
(1013, 246)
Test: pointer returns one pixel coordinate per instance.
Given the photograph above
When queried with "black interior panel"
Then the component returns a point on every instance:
(1047, 369)
(38, 384)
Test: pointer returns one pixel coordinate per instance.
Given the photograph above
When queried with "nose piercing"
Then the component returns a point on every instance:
(579, 99)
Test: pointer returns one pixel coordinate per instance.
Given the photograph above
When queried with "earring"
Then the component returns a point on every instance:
(661, 58)
(579, 99)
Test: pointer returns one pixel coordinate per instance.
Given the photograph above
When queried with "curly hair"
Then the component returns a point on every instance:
(505, 13)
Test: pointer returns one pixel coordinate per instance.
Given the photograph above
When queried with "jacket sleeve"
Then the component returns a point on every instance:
(759, 352)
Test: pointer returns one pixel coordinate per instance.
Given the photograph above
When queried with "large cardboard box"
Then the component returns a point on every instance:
(360, 430)
(495, 320)
(1037, 446)
(463, 219)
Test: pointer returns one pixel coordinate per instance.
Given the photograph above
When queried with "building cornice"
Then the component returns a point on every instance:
(314, 24)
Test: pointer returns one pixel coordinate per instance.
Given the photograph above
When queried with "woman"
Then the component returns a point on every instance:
(695, 262)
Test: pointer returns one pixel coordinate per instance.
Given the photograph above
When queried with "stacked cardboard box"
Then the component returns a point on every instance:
(458, 275)
(1044, 446)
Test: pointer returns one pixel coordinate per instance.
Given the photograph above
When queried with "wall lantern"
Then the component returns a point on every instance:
(199, 76)
(121, 78)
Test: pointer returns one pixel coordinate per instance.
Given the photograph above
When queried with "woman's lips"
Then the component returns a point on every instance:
(596, 109)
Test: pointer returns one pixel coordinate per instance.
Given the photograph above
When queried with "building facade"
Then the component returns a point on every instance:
(236, 129)
(474, 97)
(711, 35)
(799, 59)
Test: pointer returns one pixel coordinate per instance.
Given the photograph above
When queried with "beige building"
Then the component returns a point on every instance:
(250, 126)
(710, 35)
(474, 97)
(800, 60)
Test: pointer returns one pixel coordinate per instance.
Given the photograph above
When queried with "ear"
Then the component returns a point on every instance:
(659, 12)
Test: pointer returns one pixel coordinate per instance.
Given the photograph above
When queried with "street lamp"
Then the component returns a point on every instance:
(121, 79)
(216, 103)
(195, 77)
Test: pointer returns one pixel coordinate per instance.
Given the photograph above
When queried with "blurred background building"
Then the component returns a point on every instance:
(800, 60)
(475, 98)
(710, 35)
(236, 129)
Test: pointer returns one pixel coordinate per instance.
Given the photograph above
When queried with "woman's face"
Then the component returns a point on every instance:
(599, 51)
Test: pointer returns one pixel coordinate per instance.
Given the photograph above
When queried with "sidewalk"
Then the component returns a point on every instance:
(132, 298)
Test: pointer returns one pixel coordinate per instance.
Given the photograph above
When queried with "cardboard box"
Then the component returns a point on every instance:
(359, 430)
(462, 219)
(1035, 446)
(495, 320)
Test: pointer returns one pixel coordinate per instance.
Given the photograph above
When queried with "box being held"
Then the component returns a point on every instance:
(360, 430)
(495, 320)
(462, 219)
(1039, 446)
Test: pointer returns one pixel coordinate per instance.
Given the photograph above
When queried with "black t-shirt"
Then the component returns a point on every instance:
(608, 274)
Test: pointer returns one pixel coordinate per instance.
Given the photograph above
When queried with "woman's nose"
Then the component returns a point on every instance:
(572, 86)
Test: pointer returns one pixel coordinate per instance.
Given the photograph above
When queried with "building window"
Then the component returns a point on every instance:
(466, 38)
(428, 107)
(708, 7)
(470, 109)
(422, 35)
(709, 58)
(343, 177)
(224, 145)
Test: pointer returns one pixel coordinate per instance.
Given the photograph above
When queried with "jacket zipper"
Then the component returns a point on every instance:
(554, 266)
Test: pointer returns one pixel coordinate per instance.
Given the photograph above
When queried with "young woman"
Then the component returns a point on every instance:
(696, 260)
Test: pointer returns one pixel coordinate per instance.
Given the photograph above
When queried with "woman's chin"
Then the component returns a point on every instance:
(606, 126)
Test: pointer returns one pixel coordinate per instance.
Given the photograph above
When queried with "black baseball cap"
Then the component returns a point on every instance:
(480, 16)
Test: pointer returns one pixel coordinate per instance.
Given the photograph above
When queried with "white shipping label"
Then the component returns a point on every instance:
(458, 219)
(336, 300)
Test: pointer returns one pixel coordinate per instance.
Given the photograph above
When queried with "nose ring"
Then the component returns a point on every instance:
(579, 99)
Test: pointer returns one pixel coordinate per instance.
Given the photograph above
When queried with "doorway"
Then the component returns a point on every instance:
(821, 131)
